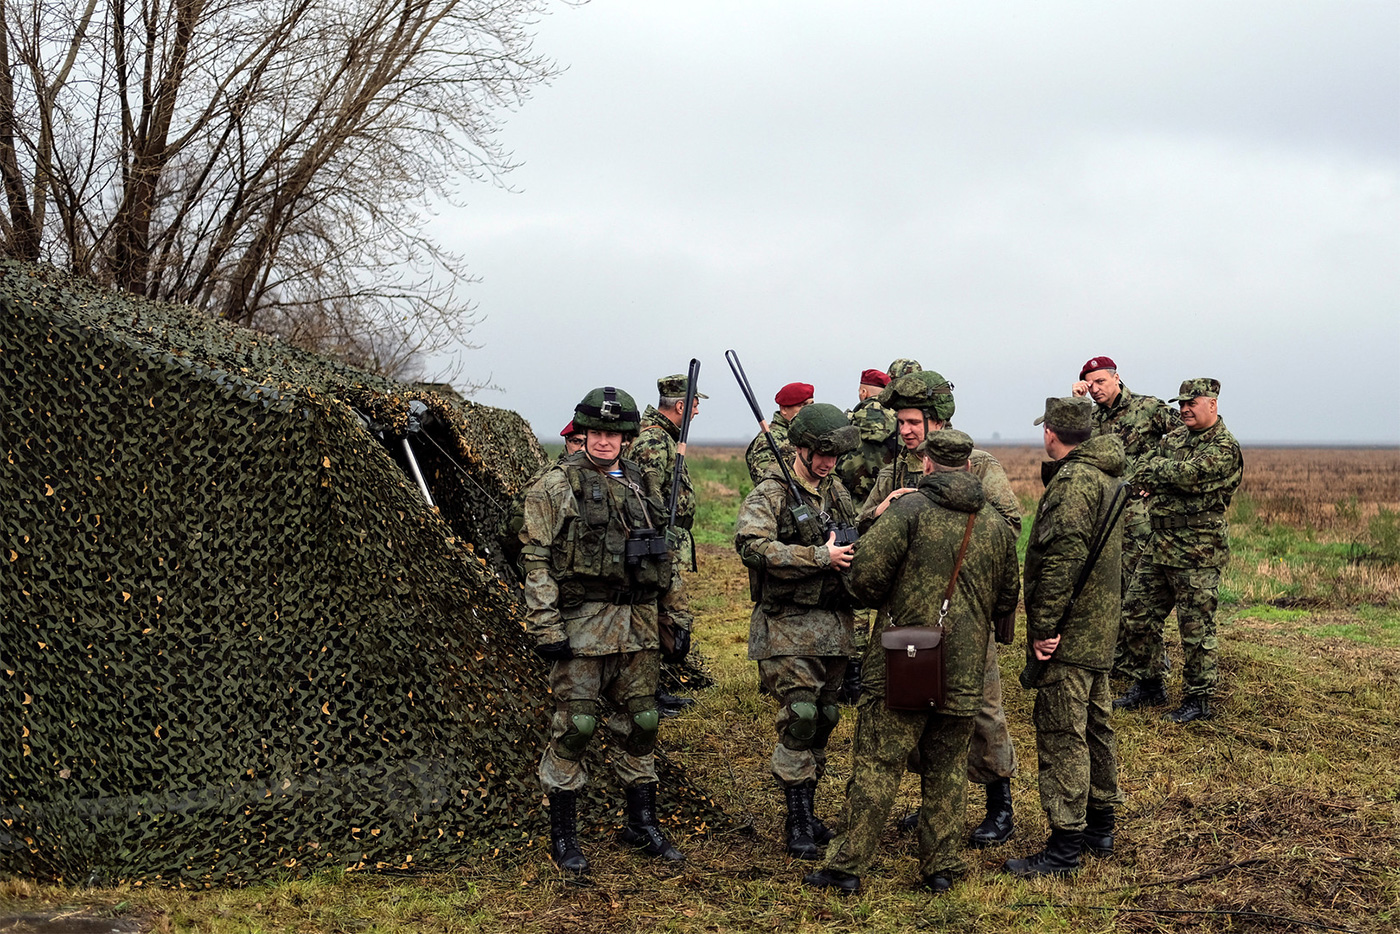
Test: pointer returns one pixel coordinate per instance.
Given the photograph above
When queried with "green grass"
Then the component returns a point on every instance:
(1284, 804)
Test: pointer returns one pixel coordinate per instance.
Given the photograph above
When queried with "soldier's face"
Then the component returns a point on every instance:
(815, 466)
(911, 426)
(603, 446)
(573, 444)
(1103, 385)
(1199, 413)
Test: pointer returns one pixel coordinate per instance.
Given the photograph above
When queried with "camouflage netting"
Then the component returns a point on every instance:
(234, 638)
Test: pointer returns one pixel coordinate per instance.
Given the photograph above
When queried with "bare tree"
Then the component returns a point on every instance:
(270, 161)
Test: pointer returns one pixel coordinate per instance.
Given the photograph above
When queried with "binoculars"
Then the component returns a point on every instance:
(646, 543)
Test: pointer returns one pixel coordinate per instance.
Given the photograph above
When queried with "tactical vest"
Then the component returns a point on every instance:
(589, 556)
(823, 589)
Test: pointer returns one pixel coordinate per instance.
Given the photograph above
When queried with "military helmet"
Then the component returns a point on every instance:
(924, 390)
(822, 428)
(607, 408)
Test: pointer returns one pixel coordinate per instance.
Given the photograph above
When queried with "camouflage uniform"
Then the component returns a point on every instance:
(903, 564)
(1192, 478)
(655, 449)
(1073, 736)
(1139, 422)
(993, 755)
(879, 442)
(580, 589)
(800, 632)
(759, 455)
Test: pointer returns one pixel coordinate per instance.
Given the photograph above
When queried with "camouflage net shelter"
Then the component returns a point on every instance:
(234, 638)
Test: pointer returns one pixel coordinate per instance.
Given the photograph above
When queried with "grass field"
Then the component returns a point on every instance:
(1281, 814)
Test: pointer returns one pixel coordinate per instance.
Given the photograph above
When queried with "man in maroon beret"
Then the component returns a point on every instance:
(1140, 422)
(791, 398)
(573, 439)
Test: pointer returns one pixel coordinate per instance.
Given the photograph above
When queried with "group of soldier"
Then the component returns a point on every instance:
(888, 508)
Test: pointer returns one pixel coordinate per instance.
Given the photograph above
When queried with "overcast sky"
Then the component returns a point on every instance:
(999, 190)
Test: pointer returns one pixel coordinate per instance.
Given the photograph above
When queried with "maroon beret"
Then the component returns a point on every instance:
(569, 429)
(874, 378)
(1097, 363)
(794, 394)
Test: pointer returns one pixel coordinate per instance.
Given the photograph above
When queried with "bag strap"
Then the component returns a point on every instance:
(957, 566)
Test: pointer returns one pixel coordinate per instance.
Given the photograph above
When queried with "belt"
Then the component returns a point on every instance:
(1196, 521)
(620, 597)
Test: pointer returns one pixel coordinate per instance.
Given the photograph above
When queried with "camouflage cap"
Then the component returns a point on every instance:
(922, 389)
(1201, 386)
(673, 387)
(1071, 413)
(902, 367)
(947, 446)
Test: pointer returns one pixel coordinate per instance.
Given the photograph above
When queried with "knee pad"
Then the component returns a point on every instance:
(641, 738)
(802, 712)
(582, 718)
(829, 716)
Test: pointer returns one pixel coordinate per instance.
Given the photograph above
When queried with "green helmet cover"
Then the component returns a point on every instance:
(607, 408)
(823, 429)
(924, 390)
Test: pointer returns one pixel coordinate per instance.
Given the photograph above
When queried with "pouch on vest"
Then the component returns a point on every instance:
(915, 668)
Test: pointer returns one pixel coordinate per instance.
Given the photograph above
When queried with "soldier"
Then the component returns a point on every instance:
(800, 630)
(790, 399)
(573, 440)
(922, 402)
(903, 565)
(1189, 482)
(879, 441)
(592, 586)
(655, 449)
(1140, 422)
(1073, 737)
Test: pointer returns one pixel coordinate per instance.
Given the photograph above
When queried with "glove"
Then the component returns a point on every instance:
(680, 648)
(555, 651)
(850, 685)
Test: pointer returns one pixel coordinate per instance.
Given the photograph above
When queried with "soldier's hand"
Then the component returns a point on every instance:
(894, 495)
(840, 554)
(680, 648)
(1080, 388)
(555, 651)
(1044, 648)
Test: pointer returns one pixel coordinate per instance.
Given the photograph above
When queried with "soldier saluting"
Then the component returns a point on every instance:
(598, 572)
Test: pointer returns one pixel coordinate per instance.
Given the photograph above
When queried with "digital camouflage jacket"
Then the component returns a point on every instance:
(578, 582)
(1139, 422)
(908, 468)
(800, 605)
(1192, 478)
(879, 443)
(1078, 491)
(902, 566)
(759, 456)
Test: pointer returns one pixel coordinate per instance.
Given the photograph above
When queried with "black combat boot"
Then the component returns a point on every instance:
(1098, 832)
(563, 832)
(1193, 707)
(1059, 858)
(800, 842)
(1148, 692)
(670, 705)
(998, 826)
(642, 830)
(821, 833)
(843, 882)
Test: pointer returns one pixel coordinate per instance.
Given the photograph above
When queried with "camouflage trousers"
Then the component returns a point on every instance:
(1136, 532)
(1075, 744)
(1194, 592)
(797, 679)
(884, 742)
(991, 756)
(628, 681)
